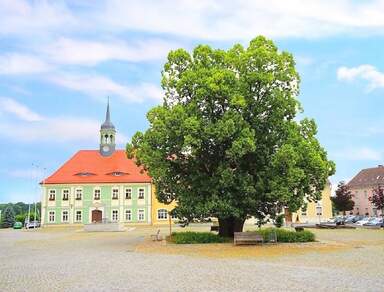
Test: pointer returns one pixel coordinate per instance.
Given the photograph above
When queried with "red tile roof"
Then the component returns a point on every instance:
(89, 166)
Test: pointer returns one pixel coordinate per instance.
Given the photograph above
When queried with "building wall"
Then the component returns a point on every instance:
(156, 206)
(106, 204)
(362, 204)
(312, 214)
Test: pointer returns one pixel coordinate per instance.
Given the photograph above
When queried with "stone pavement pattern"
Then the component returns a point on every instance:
(68, 260)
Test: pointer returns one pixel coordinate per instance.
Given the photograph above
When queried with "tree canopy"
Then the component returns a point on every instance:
(342, 200)
(377, 198)
(9, 217)
(225, 142)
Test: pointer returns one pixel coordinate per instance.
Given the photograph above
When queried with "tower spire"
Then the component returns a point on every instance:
(108, 115)
(107, 135)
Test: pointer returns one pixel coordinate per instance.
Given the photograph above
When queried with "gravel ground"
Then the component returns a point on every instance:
(69, 260)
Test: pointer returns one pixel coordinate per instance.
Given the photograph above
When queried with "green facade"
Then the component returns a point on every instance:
(105, 203)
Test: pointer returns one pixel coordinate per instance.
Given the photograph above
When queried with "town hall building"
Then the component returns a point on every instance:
(101, 186)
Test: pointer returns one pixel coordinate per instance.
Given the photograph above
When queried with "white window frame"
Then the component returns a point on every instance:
(128, 211)
(81, 216)
(117, 215)
(112, 193)
(160, 216)
(125, 193)
(94, 194)
(138, 194)
(51, 214)
(62, 216)
(139, 212)
(50, 193)
(319, 207)
(62, 194)
(77, 192)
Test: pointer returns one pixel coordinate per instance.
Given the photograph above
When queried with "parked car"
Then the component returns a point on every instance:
(362, 221)
(17, 225)
(375, 222)
(32, 224)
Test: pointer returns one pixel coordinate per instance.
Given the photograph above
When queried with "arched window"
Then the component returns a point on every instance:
(162, 214)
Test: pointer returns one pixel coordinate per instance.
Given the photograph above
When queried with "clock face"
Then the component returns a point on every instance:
(105, 148)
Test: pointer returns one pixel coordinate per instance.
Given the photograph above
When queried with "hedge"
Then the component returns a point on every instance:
(196, 237)
(284, 235)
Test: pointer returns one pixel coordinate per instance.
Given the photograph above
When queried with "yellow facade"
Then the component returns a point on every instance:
(157, 207)
(316, 212)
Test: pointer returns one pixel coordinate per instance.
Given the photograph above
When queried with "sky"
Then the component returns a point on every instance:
(59, 60)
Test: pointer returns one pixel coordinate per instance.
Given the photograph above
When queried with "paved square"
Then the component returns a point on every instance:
(69, 259)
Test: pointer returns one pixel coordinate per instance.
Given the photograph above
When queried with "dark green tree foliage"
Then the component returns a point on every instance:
(377, 199)
(9, 217)
(342, 200)
(225, 142)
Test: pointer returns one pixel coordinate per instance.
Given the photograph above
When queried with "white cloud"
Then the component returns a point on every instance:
(356, 154)
(369, 73)
(81, 52)
(11, 106)
(13, 64)
(101, 86)
(31, 18)
(34, 127)
(199, 19)
(218, 19)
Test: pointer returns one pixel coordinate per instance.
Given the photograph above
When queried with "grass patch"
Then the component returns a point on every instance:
(284, 235)
(190, 237)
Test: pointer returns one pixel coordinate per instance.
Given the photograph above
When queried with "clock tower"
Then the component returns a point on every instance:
(107, 135)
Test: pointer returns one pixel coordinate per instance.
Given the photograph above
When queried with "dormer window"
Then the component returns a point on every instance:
(85, 173)
(117, 173)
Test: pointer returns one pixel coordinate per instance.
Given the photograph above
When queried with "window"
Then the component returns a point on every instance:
(65, 195)
(141, 194)
(115, 215)
(304, 213)
(128, 194)
(79, 194)
(319, 210)
(174, 216)
(162, 214)
(64, 217)
(51, 217)
(115, 194)
(78, 216)
(52, 195)
(96, 194)
(140, 215)
(128, 215)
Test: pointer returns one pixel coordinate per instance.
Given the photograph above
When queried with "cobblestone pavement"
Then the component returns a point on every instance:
(69, 260)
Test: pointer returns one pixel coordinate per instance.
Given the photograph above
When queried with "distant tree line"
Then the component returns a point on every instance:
(18, 212)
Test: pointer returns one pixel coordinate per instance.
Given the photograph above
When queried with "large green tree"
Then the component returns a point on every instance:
(225, 141)
(9, 217)
(343, 199)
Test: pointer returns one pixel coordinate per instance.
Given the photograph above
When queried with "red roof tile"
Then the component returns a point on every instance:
(89, 166)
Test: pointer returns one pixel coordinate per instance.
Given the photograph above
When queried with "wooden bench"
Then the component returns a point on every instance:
(247, 238)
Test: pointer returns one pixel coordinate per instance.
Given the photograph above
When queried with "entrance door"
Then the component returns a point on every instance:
(97, 215)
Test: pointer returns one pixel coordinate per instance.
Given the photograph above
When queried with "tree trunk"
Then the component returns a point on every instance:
(227, 226)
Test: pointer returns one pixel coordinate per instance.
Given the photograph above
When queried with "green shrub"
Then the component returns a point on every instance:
(279, 221)
(284, 235)
(196, 237)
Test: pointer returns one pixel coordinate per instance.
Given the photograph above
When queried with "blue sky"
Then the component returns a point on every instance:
(59, 60)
